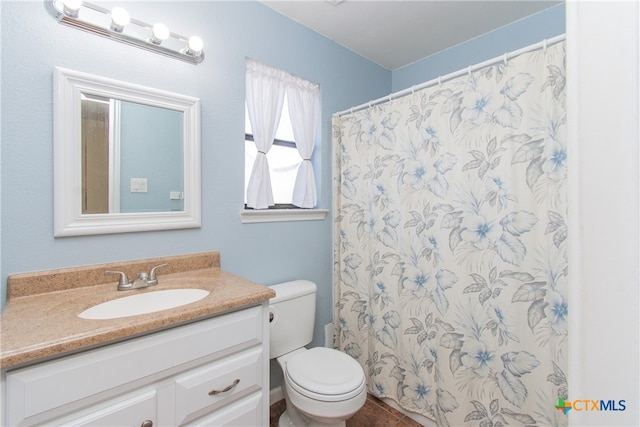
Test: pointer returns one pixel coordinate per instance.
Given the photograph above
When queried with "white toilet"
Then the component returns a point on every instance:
(321, 386)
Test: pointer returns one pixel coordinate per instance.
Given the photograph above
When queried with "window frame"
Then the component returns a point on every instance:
(279, 211)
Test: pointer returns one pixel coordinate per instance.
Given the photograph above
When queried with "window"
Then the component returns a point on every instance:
(282, 114)
(284, 159)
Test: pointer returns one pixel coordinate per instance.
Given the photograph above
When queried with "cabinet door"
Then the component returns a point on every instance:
(242, 413)
(132, 411)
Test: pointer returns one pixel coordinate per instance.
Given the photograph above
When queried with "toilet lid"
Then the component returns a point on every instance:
(325, 371)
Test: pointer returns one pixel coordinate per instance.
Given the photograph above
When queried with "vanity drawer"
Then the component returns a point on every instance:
(241, 413)
(92, 376)
(209, 387)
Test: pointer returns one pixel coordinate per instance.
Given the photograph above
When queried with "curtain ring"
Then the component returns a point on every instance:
(469, 70)
(505, 59)
(413, 90)
(544, 45)
(439, 80)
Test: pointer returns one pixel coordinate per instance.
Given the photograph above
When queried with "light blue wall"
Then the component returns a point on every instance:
(532, 29)
(150, 148)
(33, 43)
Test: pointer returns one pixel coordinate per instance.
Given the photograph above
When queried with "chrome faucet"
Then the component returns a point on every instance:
(153, 280)
(143, 280)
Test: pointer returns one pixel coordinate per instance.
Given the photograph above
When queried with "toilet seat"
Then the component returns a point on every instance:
(325, 374)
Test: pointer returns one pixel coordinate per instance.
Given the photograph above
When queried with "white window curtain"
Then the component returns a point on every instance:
(266, 88)
(264, 95)
(304, 110)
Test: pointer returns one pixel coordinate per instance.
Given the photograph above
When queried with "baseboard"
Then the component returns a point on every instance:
(275, 395)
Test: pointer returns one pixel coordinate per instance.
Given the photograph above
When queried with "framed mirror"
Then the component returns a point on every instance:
(126, 157)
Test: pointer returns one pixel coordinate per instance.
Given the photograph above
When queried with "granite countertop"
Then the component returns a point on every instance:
(40, 320)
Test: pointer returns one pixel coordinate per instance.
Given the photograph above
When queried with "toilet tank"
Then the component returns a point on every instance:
(292, 314)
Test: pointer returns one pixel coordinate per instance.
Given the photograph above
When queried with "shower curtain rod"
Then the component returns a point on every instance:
(543, 44)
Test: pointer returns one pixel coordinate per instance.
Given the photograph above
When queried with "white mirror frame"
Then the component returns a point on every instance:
(67, 160)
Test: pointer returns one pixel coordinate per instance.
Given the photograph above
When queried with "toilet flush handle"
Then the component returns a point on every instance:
(273, 315)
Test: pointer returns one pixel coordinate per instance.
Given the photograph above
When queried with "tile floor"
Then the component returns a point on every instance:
(374, 413)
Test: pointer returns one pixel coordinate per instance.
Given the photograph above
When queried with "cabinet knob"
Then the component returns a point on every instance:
(226, 389)
(147, 423)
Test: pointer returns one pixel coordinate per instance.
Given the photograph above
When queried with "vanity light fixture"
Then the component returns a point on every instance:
(119, 18)
(70, 7)
(159, 33)
(116, 24)
(194, 46)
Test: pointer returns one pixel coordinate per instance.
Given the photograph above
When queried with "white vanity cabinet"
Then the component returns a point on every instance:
(211, 372)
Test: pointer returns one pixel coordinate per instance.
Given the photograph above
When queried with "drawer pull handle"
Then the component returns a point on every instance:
(147, 423)
(226, 389)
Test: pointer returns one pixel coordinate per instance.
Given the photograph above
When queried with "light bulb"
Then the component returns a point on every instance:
(159, 33)
(195, 45)
(71, 7)
(119, 18)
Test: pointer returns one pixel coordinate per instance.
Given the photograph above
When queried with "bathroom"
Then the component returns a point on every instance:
(604, 347)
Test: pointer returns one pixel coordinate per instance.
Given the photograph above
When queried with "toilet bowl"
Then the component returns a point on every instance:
(321, 386)
(325, 386)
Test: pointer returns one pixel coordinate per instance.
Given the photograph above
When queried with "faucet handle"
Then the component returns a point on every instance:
(153, 280)
(124, 283)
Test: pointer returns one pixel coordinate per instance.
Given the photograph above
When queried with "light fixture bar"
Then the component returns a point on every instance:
(98, 20)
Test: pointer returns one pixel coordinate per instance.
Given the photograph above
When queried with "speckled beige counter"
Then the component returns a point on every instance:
(40, 320)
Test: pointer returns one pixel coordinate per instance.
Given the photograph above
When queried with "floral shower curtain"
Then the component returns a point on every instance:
(450, 245)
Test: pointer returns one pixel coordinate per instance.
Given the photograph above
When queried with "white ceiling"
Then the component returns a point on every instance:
(399, 32)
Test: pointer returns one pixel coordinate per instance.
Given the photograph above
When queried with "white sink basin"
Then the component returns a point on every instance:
(144, 303)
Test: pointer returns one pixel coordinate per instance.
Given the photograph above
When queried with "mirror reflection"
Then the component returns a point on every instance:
(126, 157)
(132, 157)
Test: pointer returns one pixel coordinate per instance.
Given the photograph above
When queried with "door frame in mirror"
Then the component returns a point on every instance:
(67, 159)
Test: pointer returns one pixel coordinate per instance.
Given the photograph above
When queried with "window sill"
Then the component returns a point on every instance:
(249, 216)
